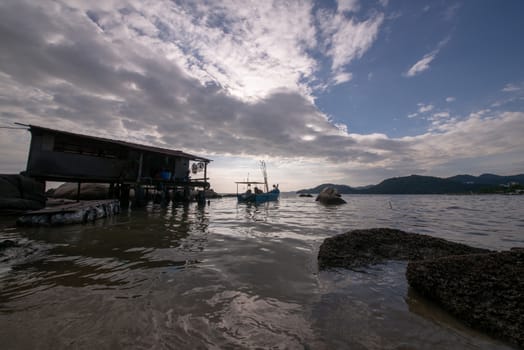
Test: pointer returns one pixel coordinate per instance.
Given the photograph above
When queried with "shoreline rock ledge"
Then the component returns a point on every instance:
(360, 248)
(484, 290)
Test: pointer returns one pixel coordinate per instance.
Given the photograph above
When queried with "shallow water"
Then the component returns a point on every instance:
(237, 276)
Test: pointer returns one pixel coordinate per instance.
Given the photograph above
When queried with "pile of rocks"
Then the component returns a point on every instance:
(20, 193)
(483, 288)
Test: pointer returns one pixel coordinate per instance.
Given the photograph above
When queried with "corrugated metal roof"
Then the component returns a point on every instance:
(136, 146)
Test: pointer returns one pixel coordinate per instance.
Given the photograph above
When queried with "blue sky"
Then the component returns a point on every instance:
(476, 53)
(344, 91)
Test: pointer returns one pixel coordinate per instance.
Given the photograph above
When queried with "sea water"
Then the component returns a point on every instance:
(238, 276)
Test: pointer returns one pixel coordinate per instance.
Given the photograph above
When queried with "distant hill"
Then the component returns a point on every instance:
(417, 184)
(488, 179)
(343, 189)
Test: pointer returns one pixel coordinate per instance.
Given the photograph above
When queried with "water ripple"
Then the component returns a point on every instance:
(230, 275)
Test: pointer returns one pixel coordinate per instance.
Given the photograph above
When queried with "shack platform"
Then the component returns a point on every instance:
(70, 213)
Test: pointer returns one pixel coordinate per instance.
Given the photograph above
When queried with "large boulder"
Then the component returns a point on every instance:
(484, 290)
(20, 193)
(88, 191)
(329, 195)
(377, 245)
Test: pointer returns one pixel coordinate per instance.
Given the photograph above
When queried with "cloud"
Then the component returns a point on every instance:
(441, 115)
(220, 42)
(342, 77)
(348, 5)
(423, 108)
(422, 64)
(347, 39)
(96, 82)
(113, 63)
(451, 11)
(478, 135)
(146, 65)
(511, 88)
(450, 99)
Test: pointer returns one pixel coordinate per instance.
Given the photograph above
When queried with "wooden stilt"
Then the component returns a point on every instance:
(124, 195)
(78, 192)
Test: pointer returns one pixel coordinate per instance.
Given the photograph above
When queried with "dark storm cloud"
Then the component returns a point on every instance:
(95, 82)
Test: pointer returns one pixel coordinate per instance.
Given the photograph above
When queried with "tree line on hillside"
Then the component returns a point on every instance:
(417, 184)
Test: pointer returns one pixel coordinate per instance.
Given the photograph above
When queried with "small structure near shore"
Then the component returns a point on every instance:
(56, 155)
(70, 213)
(483, 288)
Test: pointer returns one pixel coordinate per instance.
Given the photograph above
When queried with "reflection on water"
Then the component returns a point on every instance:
(237, 276)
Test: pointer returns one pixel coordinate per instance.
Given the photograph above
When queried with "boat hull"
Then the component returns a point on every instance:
(258, 198)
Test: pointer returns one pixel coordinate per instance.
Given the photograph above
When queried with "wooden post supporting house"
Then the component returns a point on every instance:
(140, 164)
(124, 195)
(111, 192)
(205, 176)
(78, 191)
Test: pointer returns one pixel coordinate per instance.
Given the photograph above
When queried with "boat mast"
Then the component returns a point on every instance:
(264, 173)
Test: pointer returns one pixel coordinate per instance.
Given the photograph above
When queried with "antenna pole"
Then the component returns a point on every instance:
(264, 173)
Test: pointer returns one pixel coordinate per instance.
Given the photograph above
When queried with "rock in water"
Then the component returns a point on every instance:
(88, 191)
(210, 193)
(329, 195)
(484, 290)
(373, 246)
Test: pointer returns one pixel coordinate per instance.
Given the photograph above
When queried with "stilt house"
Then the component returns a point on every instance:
(56, 155)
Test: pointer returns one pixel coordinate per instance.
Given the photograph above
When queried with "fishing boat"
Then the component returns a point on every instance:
(255, 194)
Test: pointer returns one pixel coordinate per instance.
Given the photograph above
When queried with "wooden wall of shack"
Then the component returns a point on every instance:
(62, 156)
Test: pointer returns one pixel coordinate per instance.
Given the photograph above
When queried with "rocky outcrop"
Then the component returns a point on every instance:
(20, 193)
(484, 290)
(88, 191)
(329, 195)
(373, 246)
